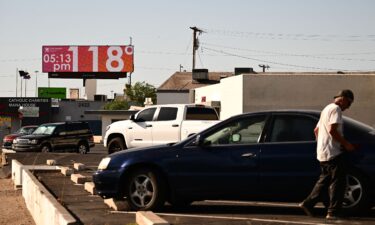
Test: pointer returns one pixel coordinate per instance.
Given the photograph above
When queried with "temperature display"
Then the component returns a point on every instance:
(89, 59)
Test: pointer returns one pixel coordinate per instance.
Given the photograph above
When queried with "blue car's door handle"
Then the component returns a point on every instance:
(249, 155)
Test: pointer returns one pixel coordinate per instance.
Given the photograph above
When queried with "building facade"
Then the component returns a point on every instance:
(267, 91)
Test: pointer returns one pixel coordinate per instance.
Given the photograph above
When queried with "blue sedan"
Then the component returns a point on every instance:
(263, 156)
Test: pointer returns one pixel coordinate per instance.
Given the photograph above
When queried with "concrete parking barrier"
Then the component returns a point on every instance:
(3, 159)
(17, 169)
(149, 218)
(79, 179)
(66, 171)
(90, 187)
(79, 166)
(51, 162)
(117, 205)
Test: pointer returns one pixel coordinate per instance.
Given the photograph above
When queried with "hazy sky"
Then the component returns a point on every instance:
(287, 35)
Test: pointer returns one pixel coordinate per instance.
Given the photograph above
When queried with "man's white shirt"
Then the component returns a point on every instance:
(327, 147)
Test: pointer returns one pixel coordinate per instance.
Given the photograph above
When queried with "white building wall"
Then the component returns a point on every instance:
(255, 92)
(264, 92)
(229, 92)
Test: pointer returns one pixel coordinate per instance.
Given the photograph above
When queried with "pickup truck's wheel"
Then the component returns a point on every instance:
(145, 190)
(115, 145)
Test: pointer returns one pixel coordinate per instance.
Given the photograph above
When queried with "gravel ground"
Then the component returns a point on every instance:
(12, 205)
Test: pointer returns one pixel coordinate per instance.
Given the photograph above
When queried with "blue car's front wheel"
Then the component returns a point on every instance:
(145, 190)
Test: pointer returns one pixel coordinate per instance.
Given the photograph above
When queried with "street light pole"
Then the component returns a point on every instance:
(36, 83)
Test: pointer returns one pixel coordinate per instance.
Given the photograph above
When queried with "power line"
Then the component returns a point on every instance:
(300, 36)
(273, 62)
(293, 54)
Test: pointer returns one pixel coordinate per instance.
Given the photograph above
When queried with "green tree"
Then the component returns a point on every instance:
(137, 93)
(117, 105)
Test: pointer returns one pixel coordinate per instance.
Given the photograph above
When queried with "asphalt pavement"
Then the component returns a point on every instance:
(90, 209)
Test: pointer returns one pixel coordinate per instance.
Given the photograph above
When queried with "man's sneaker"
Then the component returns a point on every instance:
(307, 209)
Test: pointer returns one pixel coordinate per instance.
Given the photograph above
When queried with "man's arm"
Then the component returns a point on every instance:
(338, 137)
(316, 132)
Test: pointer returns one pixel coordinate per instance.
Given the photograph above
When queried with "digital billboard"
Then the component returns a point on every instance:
(72, 61)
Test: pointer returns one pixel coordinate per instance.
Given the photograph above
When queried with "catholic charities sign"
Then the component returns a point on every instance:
(28, 107)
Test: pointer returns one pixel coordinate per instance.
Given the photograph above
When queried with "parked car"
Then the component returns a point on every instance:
(25, 130)
(57, 136)
(264, 156)
(159, 124)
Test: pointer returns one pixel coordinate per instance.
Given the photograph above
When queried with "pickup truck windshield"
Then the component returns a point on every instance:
(201, 113)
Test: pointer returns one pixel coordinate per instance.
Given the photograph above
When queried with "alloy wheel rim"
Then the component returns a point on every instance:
(142, 191)
(353, 192)
(82, 149)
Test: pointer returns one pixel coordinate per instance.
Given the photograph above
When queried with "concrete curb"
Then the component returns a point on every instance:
(66, 171)
(90, 187)
(149, 218)
(17, 169)
(117, 205)
(45, 209)
(79, 178)
(42, 205)
(79, 166)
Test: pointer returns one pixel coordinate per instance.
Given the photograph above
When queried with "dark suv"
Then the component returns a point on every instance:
(57, 136)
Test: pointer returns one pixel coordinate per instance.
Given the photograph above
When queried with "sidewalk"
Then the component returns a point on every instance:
(13, 209)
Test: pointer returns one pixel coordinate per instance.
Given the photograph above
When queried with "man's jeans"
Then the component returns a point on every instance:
(332, 183)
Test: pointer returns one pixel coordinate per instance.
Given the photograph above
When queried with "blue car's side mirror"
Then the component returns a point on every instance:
(198, 140)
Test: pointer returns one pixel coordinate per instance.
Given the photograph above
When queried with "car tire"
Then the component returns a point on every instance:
(115, 145)
(83, 148)
(357, 193)
(144, 190)
(46, 148)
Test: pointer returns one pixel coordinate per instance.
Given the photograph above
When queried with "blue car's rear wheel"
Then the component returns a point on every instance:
(356, 198)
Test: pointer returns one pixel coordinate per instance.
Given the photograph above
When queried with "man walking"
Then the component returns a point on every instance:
(330, 146)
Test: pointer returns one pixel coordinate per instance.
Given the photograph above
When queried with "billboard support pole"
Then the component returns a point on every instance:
(16, 82)
(36, 83)
(21, 86)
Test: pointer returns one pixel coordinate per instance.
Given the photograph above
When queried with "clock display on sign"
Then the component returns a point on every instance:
(90, 59)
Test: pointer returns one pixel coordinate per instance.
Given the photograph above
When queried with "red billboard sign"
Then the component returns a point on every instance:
(88, 59)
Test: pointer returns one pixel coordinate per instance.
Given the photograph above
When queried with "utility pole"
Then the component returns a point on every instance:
(195, 42)
(264, 67)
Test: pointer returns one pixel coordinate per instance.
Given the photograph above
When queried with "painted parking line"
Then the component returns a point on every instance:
(232, 218)
(259, 203)
(242, 218)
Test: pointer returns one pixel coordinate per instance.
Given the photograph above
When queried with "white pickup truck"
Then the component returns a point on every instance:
(159, 124)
